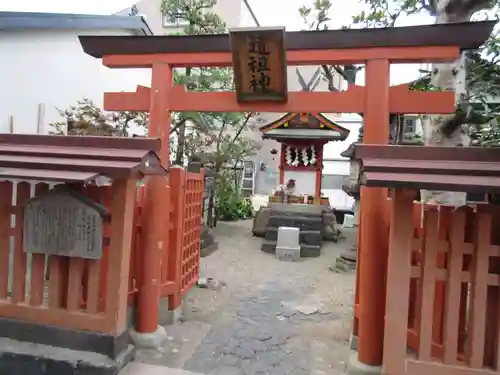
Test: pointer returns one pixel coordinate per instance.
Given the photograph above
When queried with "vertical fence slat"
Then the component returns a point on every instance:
(479, 288)
(454, 283)
(398, 282)
(464, 294)
(177, 185)
(19, 279)
(166, 234)
(37, 282)
(57, 280)
(93, 275)
(6, 189)
(428, 283)
(440, 293)
(74, 289)
(123, 197)
(103, 196)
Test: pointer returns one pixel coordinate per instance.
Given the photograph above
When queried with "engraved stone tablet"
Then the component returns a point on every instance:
(64, 222)
(288, 246)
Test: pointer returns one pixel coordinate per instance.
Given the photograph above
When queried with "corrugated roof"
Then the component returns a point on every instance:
(467, 169)
(46, 175)
(76, 159)
(326, 134)
(22, 21)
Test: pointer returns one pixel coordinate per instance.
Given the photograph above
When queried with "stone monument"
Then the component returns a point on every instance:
(288, 246)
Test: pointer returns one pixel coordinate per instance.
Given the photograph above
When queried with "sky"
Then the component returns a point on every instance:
(269, 13)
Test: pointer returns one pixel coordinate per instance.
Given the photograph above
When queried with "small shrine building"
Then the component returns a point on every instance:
(302, 137)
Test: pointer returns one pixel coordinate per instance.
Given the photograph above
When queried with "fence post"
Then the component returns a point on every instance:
(151, 255)
(122, 217)
(177, 192)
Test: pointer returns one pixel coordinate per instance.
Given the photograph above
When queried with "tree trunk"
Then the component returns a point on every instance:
(181, 145)
(210, 209)
(449, 77)
(181, 138)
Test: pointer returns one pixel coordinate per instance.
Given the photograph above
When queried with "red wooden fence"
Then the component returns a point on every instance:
(453, 302)
(181, 256)
(438, 322)
(77, 293)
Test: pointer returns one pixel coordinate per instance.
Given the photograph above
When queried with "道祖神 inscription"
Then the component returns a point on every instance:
(63, 223)
(259, 64)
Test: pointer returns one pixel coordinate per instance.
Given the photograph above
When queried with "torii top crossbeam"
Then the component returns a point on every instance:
(439, 42)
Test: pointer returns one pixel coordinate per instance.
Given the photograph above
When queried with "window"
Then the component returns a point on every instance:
(410, 126)
(174, 20)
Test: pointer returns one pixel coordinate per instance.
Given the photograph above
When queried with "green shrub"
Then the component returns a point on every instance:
(230, 204)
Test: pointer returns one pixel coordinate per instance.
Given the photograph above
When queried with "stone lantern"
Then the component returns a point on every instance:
(347, 259)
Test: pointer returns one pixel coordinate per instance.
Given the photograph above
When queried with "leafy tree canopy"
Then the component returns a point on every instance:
(483, 70)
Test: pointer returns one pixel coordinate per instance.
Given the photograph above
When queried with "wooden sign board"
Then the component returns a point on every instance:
(259, 63)
(64, 222)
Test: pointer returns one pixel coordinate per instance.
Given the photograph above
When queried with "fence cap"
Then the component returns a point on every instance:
(77, 159)
(467, 169)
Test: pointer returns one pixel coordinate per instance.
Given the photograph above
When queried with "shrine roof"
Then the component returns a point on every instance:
(323, 134)
(77, 158)
(466, 35)
(304, 125)
(467, 169)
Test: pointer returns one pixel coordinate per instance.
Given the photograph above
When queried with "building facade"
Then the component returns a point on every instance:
(44, 68)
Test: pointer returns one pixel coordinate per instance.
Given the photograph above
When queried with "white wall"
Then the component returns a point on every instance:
(246, 19)
(340, 167)
(332, 150)
(50, 67)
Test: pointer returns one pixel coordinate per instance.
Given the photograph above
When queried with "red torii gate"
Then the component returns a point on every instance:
(377, 48)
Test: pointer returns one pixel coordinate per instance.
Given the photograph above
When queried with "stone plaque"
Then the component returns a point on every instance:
(64, 222)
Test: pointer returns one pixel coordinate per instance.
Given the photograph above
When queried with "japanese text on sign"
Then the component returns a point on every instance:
(258, 65)
(61, 224)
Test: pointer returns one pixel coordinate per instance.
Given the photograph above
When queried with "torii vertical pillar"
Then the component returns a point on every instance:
(374, 222)
(151, 235)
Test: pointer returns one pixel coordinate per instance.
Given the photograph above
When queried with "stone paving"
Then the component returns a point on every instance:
(271, 317)
(265, 337)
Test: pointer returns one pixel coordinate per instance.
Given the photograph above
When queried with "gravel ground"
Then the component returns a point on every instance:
(264, 316)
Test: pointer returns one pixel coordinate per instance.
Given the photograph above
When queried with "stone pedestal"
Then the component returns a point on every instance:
(27, 348)
(308, 219)
(288, 247)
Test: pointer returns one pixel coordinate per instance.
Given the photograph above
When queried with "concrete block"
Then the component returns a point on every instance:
(288, 247)
(349, 221)
(167, 316)
(310, 251)
(297, 221)
(291, 255)
(151, 340)
(353, 342)
(288, 237)
(18, 357)
(306, 237)
(137, 368)
(355, 367)
(268, 247)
